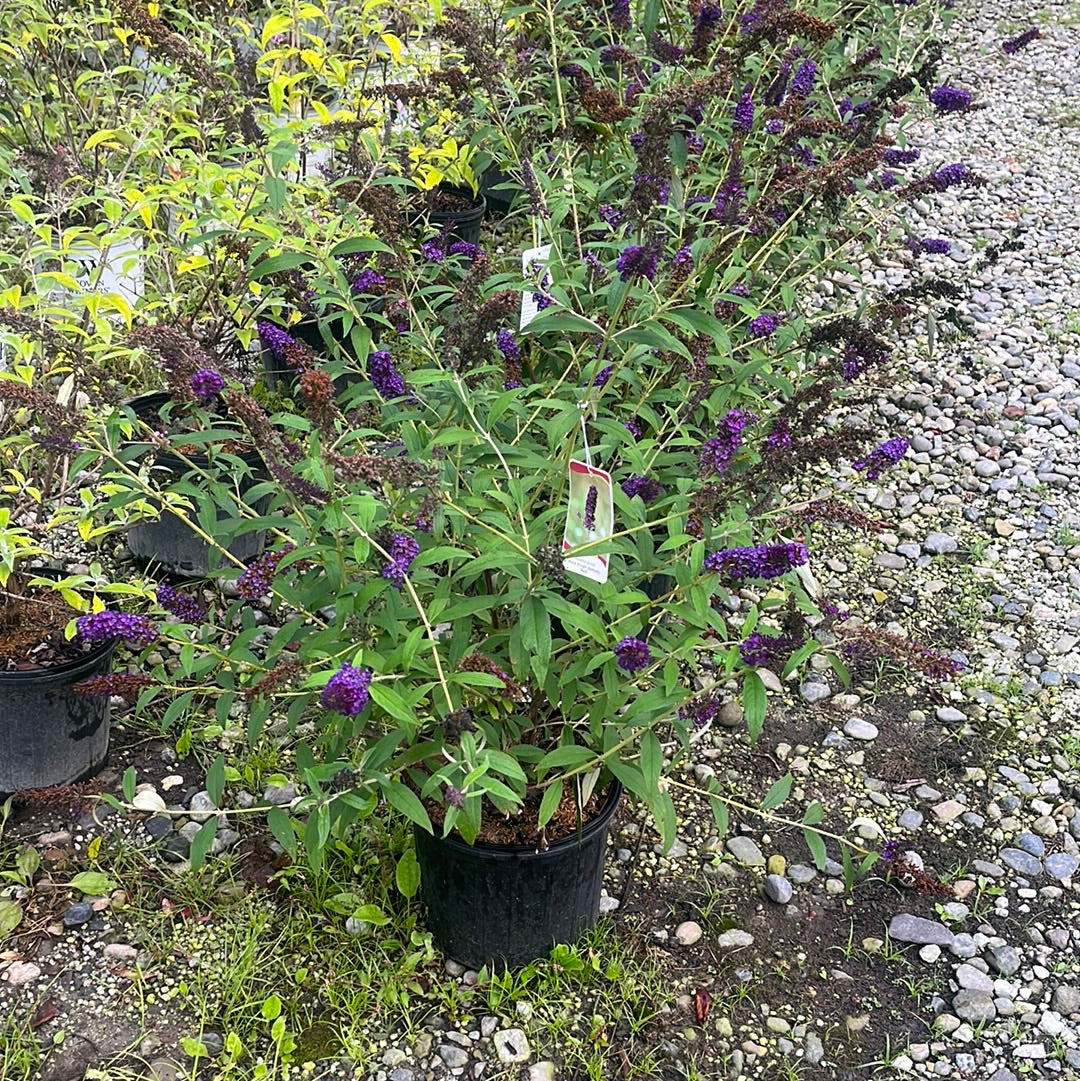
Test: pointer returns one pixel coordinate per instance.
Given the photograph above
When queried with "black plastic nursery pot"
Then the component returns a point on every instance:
(49, 735)
(500, 191)
(508, 905)
(461, 224)
(168, 540)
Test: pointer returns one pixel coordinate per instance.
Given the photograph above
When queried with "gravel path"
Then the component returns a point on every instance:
(985, 520)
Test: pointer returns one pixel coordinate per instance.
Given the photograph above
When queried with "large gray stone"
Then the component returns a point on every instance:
(905, 927)
(974, 1006)
(1020, 861)
(745, 851)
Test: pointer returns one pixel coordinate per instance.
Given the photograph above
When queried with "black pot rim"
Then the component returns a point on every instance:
(146, 403)
(477, 205)
(486, 850)
(67, 669)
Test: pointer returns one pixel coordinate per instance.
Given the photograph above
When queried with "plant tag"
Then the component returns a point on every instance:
(532, 261)
(590, 517)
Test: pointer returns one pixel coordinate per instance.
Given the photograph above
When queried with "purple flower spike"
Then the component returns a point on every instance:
(184, 607)
(645, 488)
(367, 280)
(717, 453)
(1014, 45)
(637, 262)
(763, 561)
(275, 339)
(347, 692)
(632, 654)
(137, 631)
(764, 325)
(947, 99)
(744, 111)
(877, 461)
(803, 82)
(507, 345)
(403, 550)
(206, 385)
(385, 378)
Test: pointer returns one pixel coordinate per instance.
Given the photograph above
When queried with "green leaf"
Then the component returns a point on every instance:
(720, 817)
(201, 842)
(814, 814)
(807, 649)
(372, 914)
(28, 862)
(663, 811)
(129, 782)
(215, 780)
(778, 793)
(408, 803)
(652, 759)
(817, 848)
(407, 874)
(92, 883)
(569, 756)
(392, 702)
(281, 827)
(10, 917)
(754, 699)
(271, 1008)
(549, 804)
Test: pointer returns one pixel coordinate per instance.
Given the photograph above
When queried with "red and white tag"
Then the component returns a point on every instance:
(590, 522)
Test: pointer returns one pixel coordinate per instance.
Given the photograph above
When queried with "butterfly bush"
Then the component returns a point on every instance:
(432, 618)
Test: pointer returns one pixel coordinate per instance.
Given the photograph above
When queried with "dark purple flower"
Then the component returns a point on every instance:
(744, 110)
(762, 561)
(454, 797)
(947, 99)
(725, 309)
(949, 176)
(632, 654)
(1014, 45)
(633, 428)
(432, 251)
(803, 82)
(138, 631)
(506, 345)
(877, 461)
(403, 550)
(891, 851)
(664, 51)
(779, 438)
(618, 54)
(206, 385)
(464, 247)
(637, 262)
(859, 356)
(367, 280)
(620, 13)
(275, 339)
(256, 580)
(762, 650)
(896, 156)
(684, 257)
(764, 325)
(930, 246)
(887, 180)
(347, 692)
(717, 453)
(590, 508)
(542, 301)
(603, 376)
(774, 127)
(645, 488)
(184, 607)
(702, 709)
(385, 378)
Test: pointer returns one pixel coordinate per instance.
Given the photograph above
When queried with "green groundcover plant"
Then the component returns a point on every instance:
(511, 508)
